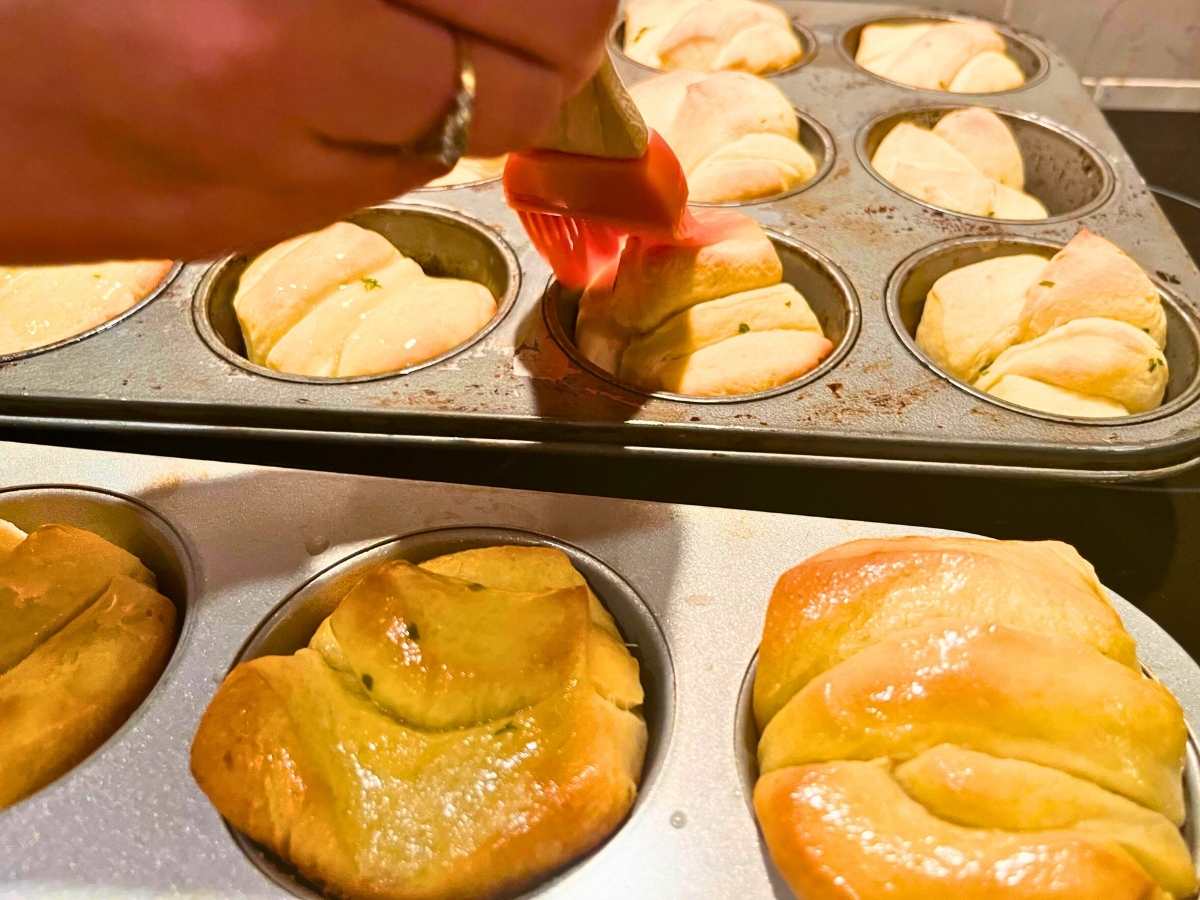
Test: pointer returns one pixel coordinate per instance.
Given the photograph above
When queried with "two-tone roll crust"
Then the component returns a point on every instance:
(955, 717)
(422, 746)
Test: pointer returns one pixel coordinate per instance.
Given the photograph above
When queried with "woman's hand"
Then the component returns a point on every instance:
(181, 128)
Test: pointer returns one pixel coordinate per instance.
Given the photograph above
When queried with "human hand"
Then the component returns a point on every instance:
(182, 128)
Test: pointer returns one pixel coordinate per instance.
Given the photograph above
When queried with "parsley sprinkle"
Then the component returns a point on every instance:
(787, 303)
(411, 632)
(475, 586)
(370, 283)
(1046, 284)
(504, 729)
(743, 328)
(1155, 363)
(368, 681)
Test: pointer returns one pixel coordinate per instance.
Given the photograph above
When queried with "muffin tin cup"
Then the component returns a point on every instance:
(808, 46)
(912, 281)
(444, 243)
(816, 139)
(825, 287)
(134, 527)
(1062, 169)
(1029, 57)
(273, 548)
(291, 625)
(103, 326)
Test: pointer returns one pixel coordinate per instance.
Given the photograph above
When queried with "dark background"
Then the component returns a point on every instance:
(1143, 540)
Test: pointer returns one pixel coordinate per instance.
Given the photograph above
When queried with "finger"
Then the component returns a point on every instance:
(566, 36)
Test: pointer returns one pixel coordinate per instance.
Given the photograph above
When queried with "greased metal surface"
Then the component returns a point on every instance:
(130, 822)
(879, 406)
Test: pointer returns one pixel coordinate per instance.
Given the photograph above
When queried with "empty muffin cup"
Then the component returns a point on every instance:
(129, 524)
(1029, 58)
(291, 625)
(808, 49)
(445, 244)
(1062, 170)
(911, 282)
(826, 288)
(816, 139)
(103, 326)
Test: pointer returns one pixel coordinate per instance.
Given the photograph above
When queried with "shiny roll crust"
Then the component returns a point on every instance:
(969, 162)
(955, 717)
(1082, 334)
(461, 728)
(344, 301)
(710, 35)
(736, 135)
(710, 321)
(42, 305)
(84, 638)
(962, 57)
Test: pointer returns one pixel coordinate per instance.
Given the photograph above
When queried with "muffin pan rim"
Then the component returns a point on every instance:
(216, 272)
(810, 47)
(172, 273)
(1108, 188)
(1024, 40)
(185, 619)
(1170, 299)
(841, 350)
(471, 536)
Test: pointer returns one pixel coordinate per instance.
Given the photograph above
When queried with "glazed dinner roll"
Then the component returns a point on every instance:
(460, 728)
(711, 321)
(344, 301)
(963, 57)
(1081, 334)
(736, 135)
(968, 162)
(962, 717)
(710, 35)
(42, 305)
(85, 637)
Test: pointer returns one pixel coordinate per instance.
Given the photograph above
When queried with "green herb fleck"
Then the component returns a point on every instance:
(743, 328)
(787, 303)
(984, 371)
(1155, 363)
(506, 728)
(411, 632)
(370, 283)
(1147, 330)
(475, 586)
(97, 274)
(1046, 284)
(368, 681)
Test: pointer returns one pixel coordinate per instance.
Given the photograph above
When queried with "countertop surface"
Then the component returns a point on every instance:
(1144, 540)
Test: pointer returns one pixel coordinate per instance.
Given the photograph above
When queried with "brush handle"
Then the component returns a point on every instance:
(601, 120)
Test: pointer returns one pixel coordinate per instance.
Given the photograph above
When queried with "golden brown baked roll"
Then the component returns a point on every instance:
(42, 305)
(85, 638)
(736, 135)
(969, 162)
(710, 35)
(461, 728)
(962, 57)
(962, 717)
(710, 321)
(344, 301)
(1079, 335)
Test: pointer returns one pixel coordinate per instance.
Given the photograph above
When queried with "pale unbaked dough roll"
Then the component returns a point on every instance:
(713, 321)
(1080, 334)
(736, 135)
(344, 301)
(960, 717)
(968, 162)
(710, 35)
(42, 305)
(962, 57)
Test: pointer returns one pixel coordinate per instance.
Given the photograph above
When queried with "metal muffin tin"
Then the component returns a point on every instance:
(259, 555)
(172, 367)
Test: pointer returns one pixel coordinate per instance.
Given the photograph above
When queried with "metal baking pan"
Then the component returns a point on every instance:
(255, 556)
(176, 365)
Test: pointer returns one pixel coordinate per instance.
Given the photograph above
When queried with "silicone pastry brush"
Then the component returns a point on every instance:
(600, 177)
